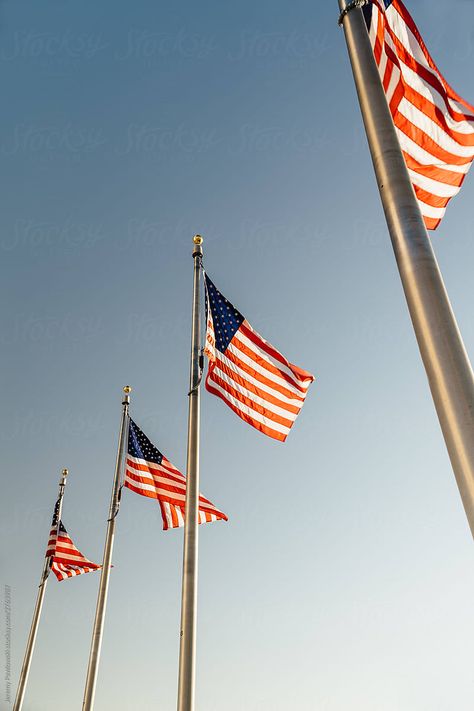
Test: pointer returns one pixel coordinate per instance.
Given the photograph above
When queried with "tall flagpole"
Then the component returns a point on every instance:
(94, 656)
(187, 651)
(30, 645)
(439, 340)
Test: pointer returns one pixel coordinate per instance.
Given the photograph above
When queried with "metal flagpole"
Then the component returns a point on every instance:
(30, 645)
(187, 651)
(442, 350)
(94, 656)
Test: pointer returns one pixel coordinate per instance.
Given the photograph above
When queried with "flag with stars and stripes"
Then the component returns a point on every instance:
(149, 473)
(66, 560)
(254, 379)
(435, 127)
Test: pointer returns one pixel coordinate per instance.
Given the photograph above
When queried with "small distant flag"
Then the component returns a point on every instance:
(67, 560)
(254, 379)
(435, 126)
(149, 473)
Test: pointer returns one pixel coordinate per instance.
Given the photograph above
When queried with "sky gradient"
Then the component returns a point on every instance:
(344, 578)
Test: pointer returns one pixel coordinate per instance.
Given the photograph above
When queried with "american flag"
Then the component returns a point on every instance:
(435, 126)
(149, 473)
(249, 374)
(66, 561)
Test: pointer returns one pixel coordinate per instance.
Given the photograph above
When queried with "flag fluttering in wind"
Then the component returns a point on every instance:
(149, 473)
(67, 560)
(435, 126)
(256, 381)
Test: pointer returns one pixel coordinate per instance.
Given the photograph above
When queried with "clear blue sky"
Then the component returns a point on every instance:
(344, 578)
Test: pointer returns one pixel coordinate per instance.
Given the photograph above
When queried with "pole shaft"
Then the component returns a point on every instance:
(30, 645)
(187, 652)
(442, 350)
(94, 656)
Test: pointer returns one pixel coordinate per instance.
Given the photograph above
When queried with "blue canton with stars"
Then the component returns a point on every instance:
(140, 446)
(54, 522)
(227, 319)
(367, 10)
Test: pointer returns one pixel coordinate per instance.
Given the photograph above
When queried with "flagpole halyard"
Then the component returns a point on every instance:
(442, 350)
(187, 652)
(94, 657)
(30, 645)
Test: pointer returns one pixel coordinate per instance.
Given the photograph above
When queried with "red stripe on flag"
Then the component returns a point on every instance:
(251, 421)
(443, 131)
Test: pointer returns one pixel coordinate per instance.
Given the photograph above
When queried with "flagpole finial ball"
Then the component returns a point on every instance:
(197, 239)
(65, 472)
(127, 390)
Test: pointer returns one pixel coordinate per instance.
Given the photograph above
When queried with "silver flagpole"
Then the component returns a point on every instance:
(30, 645)
(187, 651)
(94, 656)
(442, 350)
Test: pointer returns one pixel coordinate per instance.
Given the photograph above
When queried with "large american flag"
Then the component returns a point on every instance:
(256, 381)
(149, 473)
(435, 126)
(67, 561)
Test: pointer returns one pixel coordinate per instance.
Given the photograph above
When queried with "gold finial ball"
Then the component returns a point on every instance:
(127, 390)
(197, 239)
(65, 472)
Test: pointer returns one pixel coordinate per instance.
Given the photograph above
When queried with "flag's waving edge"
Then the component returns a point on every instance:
(254, 379)
(67, 561)
(435, 127)
(149, 473)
